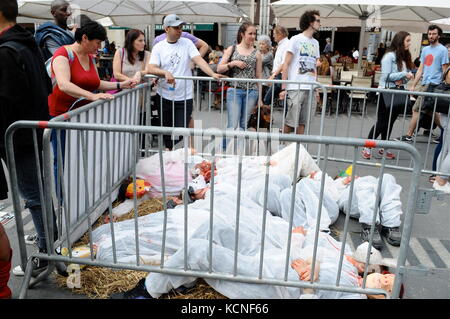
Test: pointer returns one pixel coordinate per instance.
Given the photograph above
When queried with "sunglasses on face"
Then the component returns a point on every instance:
(317, 20)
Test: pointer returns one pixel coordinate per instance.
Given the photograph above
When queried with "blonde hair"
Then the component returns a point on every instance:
(281, 30)
(213, 55)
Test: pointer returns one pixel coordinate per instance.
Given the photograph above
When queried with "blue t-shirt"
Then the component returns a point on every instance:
(432, 58)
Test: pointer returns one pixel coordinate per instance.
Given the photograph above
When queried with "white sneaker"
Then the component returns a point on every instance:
(31, 239)
(17, 271)
(444, 188)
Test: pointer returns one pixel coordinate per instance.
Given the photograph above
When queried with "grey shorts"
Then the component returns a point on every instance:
(419, 100)
(297, 105)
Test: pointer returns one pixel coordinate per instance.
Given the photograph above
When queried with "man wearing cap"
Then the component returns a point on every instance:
(171, 58)
(201, 45)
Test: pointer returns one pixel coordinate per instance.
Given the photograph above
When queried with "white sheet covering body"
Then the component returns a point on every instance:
(364, 199)
(248, 262)
(250, 225)
(306, 205)
(225, 202)
(149, 170)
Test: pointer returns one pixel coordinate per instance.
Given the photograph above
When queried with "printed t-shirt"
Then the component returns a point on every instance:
(303, 64)
(175, 58)
(432, 58)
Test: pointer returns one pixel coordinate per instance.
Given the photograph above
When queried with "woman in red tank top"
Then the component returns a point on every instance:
(78, 77)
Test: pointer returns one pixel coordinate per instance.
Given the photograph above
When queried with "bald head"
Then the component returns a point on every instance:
(60, 12)
(58, 3)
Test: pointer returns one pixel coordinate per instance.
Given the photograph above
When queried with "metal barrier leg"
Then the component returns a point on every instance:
(26, 279)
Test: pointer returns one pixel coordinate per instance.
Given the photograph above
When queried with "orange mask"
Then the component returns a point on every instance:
(142, 187)
(205, 170)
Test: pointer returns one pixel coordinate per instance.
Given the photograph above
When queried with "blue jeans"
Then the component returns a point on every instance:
(28, 184)
(54, 140)
(437, 151)
(240, 105)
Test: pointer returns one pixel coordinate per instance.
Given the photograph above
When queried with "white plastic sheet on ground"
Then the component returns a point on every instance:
(150, 230)
(364, 200)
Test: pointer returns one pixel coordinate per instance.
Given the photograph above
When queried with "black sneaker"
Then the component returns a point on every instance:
(40, 265)
(138, 292)
(365, 235)
(60, 266)
(404, 138)
(392, 234)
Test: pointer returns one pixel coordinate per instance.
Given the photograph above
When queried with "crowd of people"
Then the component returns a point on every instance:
(69, 55)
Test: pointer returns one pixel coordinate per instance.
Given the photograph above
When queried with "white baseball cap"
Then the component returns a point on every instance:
(172, 20)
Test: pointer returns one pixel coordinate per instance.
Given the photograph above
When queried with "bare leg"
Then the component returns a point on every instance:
(437, 119)
(413, 123)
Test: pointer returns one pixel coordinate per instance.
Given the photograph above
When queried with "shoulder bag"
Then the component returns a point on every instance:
(393, 99)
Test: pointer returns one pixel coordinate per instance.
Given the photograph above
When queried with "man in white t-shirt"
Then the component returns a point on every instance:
(300, 64)
(171, 57)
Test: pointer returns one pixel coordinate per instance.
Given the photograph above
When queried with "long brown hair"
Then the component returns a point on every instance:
(401, 54)
(132, 35)
(242, 29)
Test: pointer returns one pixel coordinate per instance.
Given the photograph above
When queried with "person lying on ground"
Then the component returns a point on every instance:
(373, 281)
(363, 206)
(326, 267)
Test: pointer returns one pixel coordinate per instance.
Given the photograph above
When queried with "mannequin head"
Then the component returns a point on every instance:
(380, 281)
(200, 193)
(197, 188)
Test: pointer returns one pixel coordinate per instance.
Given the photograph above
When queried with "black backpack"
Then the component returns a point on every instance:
(443, 103)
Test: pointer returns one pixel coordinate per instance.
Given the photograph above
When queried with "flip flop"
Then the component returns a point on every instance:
(432, 178)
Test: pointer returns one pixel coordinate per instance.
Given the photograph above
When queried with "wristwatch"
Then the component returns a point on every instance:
(118, 85)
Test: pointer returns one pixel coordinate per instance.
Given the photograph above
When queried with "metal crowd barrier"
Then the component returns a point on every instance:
(203, 92)
(115, 169)
(87, 204)
(345, 122)
(358, 125)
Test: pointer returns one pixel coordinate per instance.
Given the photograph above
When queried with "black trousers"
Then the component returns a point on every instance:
(174, 114)
(383, 125)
